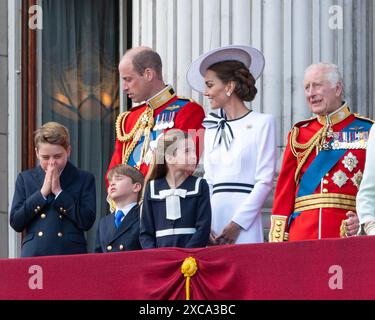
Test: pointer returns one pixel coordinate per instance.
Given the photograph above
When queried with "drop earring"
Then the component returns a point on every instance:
(228, 94)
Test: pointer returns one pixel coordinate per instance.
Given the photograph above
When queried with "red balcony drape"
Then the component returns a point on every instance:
(296, 270)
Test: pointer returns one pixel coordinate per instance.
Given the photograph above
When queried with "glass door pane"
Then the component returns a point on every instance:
(80, 87)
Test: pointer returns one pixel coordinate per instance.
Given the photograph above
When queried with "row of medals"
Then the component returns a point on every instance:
(346, 140)
(164, 121)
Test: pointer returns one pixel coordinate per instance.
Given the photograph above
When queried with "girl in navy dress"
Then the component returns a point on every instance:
(176, 208)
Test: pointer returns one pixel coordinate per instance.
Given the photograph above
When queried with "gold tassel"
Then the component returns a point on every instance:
(189, 268)
(315, 142)
(112, 204)
(343, 229)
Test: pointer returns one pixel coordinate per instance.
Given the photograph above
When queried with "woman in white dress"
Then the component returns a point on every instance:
(240, 144)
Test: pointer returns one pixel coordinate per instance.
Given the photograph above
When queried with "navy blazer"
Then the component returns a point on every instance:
(192, 230)
(126, 237)
(54, 226)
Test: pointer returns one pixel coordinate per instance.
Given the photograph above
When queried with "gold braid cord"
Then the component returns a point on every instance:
(315, 141)
(189, 268)
(143, 125)
(147, 133)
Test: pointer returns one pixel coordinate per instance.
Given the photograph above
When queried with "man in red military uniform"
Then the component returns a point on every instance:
(160, 110)
(322, 165)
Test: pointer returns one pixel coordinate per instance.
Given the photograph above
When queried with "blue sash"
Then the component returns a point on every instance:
(323, 162)
(136, 154)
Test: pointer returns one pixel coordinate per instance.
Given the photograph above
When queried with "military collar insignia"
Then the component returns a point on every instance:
(173, 107)
(335, 117)
(356, 128)
(161, 98)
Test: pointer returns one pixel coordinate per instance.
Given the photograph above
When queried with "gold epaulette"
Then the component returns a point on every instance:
(303, 122)
(278, 229)
(357, 115)
(295, 130)
(120, 123)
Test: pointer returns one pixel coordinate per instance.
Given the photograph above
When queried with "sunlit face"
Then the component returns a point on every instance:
(136, 86)
(216, 90)
(321, 96)
(52, 153)
(184, 158)
(121, 187)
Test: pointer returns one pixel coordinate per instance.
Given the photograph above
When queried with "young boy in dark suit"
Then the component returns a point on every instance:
(54, 203)
(120, 231)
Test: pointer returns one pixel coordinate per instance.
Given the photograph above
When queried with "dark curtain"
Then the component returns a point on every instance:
(80, 88)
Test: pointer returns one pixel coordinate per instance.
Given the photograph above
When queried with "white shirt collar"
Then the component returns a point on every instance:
(126, 209)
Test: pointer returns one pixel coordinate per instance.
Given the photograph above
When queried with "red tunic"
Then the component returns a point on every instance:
(187, 118)
(326, 213)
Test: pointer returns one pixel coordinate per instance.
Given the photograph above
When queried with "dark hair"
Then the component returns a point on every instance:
(148, 59)
(236, 71)
(167, 145)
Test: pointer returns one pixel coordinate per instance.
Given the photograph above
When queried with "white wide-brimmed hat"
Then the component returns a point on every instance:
(250, 57)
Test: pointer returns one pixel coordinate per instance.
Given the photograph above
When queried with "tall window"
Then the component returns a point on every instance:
(80, 87)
